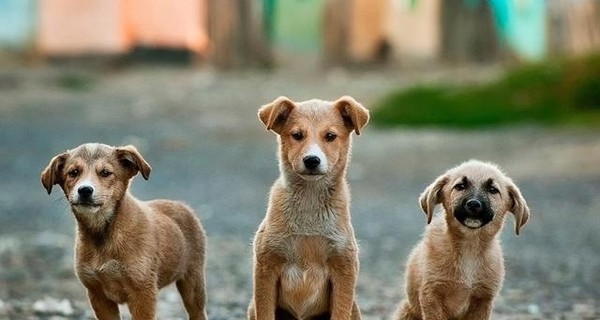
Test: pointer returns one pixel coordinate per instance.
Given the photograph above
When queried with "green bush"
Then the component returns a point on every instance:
(552, 92)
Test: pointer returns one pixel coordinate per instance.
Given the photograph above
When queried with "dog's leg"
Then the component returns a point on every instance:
(404, 312)
(356, 312)
(192, 291)
(431, 304)
(266, 273)
(479, 309)
(343, 278)
(104, 309)
(142, 305)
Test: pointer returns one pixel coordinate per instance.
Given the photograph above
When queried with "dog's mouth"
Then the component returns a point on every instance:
(311, 175)
(86, 204)
(472, 223)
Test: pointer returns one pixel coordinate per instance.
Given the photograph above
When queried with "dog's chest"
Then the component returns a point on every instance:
(470, 270)
(109, 276)
(304, 281)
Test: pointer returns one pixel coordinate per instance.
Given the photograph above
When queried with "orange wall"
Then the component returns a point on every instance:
(113, 26)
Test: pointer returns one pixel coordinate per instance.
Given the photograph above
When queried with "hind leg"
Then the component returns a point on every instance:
(192, 291)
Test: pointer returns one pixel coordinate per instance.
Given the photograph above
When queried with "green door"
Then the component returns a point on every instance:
(295, 25)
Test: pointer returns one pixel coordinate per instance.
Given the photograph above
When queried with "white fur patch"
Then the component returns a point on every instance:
(470, 266)
(313, 280)
(315, 150)
(87, 183)
(473, 223)
(293, 276)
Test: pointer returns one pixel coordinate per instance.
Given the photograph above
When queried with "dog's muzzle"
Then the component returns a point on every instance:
(311, 162)
(313, 167)
(85, 197)
(474, 213)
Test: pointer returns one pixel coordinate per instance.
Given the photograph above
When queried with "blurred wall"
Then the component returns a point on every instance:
(17, 24)
(73, 27)
(414, 29)
(234, 33)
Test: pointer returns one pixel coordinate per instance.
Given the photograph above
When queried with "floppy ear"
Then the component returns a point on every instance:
(131, 159)
(52, 174)
(354, 114)
(275, 114)
(432, 195)
(518, 206)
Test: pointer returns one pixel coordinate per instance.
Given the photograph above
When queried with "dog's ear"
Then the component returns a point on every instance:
(354, 114)
(53, 173)
(432, 195)
(131, 159)
(275, 114)
(518, 206)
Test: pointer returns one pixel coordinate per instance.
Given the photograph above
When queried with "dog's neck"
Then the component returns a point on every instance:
(314, 207)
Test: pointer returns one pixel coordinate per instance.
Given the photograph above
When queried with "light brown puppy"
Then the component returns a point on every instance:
(305, 253)
(458, 268)
(127, 249)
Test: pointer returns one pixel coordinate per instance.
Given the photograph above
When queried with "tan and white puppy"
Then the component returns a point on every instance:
(458, 268)
(127, 249)
(305, 252)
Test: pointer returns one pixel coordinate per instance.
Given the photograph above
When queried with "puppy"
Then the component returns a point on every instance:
(127, 249)
(458, 268)
(305, 253)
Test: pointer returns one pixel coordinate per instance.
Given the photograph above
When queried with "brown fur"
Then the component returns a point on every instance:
(455, 272)
(127, 249)
(305, 253)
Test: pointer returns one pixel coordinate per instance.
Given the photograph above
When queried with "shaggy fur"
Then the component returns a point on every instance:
(458, 268)
(305, 253)
(127, 249)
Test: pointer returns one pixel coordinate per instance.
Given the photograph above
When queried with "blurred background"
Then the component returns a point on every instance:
(516, 82)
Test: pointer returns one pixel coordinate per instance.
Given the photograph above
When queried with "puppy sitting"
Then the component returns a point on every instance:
(305, 253)
(458, 268)
(126, 249)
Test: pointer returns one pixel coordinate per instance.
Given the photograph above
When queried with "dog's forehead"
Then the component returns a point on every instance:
(478, 171)
(314, 106)
(315, 110)
(91, 152)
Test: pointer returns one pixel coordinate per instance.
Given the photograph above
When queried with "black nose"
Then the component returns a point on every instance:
(474, 206)
(85, 191)
(311, 162)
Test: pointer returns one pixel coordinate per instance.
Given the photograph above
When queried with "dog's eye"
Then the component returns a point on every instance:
(460, 186)
(329, 137)
(105, 173)
(73, 173)
(297, 136)
(493, 190)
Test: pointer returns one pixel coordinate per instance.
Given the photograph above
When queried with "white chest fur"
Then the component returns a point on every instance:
(304, 281)
(469, 269)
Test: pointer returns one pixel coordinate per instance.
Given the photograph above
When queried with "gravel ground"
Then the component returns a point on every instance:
(199, 131)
